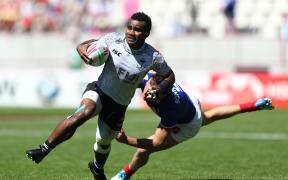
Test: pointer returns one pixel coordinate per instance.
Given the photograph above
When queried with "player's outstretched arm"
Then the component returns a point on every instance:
(223, 112)
(159, 141)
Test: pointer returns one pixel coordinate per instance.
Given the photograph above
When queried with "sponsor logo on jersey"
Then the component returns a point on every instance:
(116, 52)
(175, 91)
(126, 76)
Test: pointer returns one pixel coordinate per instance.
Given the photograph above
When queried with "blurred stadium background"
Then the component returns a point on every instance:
(222, 51)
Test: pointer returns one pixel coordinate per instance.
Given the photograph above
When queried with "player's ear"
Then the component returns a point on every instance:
(147, 34)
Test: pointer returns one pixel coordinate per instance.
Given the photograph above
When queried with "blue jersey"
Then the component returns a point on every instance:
(175, 108)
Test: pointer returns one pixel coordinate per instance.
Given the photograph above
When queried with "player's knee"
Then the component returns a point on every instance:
(88, 110)
(102, 145)
(88, 107)
(157, 144)
(83, 113)
(102, 148)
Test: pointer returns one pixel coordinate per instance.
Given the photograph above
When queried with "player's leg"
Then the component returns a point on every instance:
(102, 147)
(218, 113)
(223, 112)
(141, 158)
(109, 124)
(68, 126)
(90, 106)
(64, 130)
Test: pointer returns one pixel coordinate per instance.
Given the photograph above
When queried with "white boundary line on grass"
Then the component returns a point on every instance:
(239, 135)
(210, 135)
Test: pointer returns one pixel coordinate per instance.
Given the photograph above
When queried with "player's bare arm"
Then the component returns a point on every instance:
(159, 141)
(82, 50)
(163, 84)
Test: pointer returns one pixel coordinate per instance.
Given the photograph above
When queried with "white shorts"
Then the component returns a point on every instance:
(189, 130)
(94, 96)
(104, 134)
(109, 111)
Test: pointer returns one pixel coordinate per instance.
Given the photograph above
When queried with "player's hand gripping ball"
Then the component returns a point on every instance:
(98, 52)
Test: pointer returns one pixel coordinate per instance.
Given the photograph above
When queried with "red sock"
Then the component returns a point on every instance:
(247, 107)
(128, 171)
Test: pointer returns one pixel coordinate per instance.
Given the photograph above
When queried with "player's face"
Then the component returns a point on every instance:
(136, 33)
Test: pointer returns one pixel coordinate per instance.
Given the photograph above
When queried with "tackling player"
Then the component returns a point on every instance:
(181, 119)
(129, 61)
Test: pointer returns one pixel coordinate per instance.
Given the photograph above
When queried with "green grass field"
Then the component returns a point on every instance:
(248, 146)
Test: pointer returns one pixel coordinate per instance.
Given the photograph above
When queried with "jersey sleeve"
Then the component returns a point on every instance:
(159, 64)
(144, 81)
(111, 37)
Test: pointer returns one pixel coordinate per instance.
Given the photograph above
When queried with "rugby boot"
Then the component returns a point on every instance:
(37, 154)
(264, 103)
(97, 173)
(121, 176)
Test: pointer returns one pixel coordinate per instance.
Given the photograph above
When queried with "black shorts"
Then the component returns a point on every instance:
(112, 113)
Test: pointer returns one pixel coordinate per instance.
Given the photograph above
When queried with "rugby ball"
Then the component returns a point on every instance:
(98, 52)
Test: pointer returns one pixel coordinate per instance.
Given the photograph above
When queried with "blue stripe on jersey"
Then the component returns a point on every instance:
(176, 108)
(144, 81)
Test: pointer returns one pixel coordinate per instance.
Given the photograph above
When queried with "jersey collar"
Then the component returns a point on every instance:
(132, 51)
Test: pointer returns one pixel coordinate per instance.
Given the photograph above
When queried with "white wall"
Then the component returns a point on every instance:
(188, 52)
(35, 88)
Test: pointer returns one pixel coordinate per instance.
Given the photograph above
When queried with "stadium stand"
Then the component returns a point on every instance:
(197, 24)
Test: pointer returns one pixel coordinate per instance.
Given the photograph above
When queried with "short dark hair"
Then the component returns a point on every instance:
(141, 16)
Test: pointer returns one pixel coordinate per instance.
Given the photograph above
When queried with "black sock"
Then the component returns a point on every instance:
(47, 146)
(100, 160)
